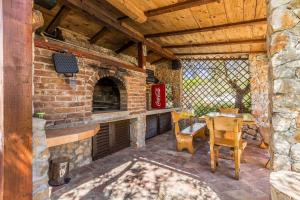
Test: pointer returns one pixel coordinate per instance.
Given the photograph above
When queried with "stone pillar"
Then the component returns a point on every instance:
(138, 131)
(40, 164)
(284, 53)
(260, 93)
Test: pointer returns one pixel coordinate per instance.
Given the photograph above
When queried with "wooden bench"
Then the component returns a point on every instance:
(61, 136)
(186, 136)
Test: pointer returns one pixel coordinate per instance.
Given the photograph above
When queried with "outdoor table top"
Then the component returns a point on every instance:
(193, 129)
(247, 117)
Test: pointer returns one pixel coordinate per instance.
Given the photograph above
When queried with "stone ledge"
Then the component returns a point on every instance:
(61, 136)
(160, 111)
(285, 185)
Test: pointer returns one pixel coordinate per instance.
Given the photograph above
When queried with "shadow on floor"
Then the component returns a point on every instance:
(159, 172)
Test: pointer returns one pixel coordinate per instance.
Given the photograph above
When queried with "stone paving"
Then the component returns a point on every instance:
(159, 172)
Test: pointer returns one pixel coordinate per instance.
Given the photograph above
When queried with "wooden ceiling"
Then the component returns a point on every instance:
(225, 26)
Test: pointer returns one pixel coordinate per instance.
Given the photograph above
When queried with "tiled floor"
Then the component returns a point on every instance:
(159, 172)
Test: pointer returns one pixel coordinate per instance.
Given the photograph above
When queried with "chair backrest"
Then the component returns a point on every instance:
(176, 117)
(229, 110)
(229, 128)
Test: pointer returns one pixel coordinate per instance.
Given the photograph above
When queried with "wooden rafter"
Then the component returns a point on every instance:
(158, 61)
(62, 13)
(125, 47)
(206, 29)
(179, 46)
(99, 35)
(219, 53)
(83, 53)
(178, 6)
(98, 14)
(130, 9)
(149, 53)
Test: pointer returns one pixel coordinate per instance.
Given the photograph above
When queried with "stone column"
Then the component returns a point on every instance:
(40, 163)
(284, 53)
(260, 93)
(138, 131)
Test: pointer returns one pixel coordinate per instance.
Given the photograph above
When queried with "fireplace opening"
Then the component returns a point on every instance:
(108, 95)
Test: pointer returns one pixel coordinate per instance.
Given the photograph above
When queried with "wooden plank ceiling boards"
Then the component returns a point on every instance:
(178, 6)
(211, 26)
(130, 9)
(100, 15)
(207, 29)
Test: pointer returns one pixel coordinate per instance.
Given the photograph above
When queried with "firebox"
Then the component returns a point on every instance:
(108, 95)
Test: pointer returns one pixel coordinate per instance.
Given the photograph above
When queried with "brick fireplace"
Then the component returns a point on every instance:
(68, 104)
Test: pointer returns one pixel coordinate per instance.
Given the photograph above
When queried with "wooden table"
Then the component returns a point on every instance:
(248, 119)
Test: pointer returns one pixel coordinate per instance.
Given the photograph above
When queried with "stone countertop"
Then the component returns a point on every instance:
(159, 111)
(62, 135)
(123, 115)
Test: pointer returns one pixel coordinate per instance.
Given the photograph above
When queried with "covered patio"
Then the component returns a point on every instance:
(149, 99)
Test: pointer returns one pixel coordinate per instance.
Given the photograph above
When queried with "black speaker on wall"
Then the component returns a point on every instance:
(176, 64)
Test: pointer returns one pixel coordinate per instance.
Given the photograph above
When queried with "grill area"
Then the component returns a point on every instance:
(107, 95)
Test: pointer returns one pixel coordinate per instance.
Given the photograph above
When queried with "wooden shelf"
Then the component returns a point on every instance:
(61, 136)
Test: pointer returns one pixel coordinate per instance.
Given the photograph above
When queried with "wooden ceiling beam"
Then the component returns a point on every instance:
(158, 61)
(219, 53)
(178, 6)
(206, 29)
(62, 13)
(215, 44)
(93, 8)
(99, 35)
(130, 9)
(126, 46)
(81, 52)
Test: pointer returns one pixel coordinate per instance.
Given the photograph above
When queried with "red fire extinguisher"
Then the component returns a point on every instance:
(158, 92)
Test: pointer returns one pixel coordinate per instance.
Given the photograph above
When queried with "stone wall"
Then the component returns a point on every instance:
(165, 74)
(79, 153)
(284, 52)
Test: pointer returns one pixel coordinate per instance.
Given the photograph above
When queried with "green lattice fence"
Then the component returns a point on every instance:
(211, 84)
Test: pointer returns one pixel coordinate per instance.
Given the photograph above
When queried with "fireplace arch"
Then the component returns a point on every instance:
(109, 95)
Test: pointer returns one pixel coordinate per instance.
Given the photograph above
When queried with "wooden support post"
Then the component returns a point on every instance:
(142, 51)
(16, 100)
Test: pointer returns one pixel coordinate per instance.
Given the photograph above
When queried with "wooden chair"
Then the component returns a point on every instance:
(184, 138)
(229, 110)
(225, 132)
